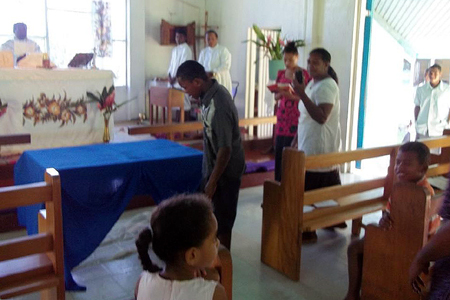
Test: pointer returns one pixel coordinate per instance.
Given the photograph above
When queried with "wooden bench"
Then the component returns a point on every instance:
(284, 220)
(388, 254)
(34, 263)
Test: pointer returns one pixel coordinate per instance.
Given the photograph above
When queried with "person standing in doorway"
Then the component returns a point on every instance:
(432, 105)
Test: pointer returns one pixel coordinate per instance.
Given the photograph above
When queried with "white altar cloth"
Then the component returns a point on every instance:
(51, 105)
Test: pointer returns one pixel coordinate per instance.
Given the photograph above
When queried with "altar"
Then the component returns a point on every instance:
(51, 106)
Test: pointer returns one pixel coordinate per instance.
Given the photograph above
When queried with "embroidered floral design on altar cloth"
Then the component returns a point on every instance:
(46, 109)
(3, 107)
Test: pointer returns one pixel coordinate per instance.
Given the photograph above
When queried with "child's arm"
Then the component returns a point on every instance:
(385, 221)
(436, 204)
(219, 293)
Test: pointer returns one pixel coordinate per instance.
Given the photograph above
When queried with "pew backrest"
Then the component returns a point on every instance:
(35, 262)
(284, 218)
(388, 253)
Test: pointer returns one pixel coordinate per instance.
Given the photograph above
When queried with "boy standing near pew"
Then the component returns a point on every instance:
(411, 165)
(223, 159)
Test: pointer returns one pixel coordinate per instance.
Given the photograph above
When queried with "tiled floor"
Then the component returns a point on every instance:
(112, 270)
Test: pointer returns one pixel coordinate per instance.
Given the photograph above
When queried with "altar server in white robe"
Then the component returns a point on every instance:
(216, 60)
(181, 53)
(20, 45)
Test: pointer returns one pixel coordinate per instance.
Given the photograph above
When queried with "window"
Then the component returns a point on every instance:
(64, 27)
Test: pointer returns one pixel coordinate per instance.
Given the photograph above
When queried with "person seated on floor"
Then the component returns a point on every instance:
(20, 46)
(411, 165)
(183, 235)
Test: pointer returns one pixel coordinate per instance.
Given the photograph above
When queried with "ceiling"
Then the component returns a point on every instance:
(421, 26)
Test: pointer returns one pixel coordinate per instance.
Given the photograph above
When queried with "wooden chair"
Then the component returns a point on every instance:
(224, 265)
(34, 263)
(388, 254)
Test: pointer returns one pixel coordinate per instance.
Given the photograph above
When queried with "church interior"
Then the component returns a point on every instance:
(98, 126)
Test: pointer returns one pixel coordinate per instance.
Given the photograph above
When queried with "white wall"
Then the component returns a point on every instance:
(335, 34)
(176, 12)
(236, 16)
(135, 89)
(322, 23)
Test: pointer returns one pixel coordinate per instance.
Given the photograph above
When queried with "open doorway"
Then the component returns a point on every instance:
(406, 38)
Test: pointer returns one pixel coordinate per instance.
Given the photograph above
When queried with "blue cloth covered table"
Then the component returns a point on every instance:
(98, 181)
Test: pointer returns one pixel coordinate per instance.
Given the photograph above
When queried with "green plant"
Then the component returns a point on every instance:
(273, 47)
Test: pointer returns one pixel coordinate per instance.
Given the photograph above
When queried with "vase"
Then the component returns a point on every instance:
(106, 136)
(274, 66)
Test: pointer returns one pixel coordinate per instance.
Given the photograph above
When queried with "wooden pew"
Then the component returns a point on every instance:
(388, 254)
(283, 217)
(34, 263)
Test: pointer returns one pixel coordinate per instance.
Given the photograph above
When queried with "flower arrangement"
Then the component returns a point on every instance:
(107, 104)
(106, 101)
(45, 109)
(3, 108)
(273, 47)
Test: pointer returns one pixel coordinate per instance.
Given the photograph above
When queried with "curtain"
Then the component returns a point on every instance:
(102, 27)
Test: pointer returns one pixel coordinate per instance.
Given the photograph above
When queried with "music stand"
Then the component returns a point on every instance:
(81, 60)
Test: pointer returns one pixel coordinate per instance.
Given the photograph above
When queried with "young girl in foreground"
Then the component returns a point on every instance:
(183, 235)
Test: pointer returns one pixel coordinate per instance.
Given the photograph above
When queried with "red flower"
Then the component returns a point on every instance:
(3, 111)
(109, 102)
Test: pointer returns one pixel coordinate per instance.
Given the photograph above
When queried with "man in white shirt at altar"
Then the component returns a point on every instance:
(181, 53)
(216, 60)
(20, 45)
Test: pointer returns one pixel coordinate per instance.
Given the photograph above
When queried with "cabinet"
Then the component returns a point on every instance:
(168, 34)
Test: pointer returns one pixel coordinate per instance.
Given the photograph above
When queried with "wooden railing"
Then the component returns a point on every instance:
(192, 126)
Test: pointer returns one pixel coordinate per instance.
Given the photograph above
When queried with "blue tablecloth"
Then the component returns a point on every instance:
(97, 182)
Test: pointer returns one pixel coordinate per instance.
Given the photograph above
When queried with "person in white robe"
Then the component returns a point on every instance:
(181, 53)
(216, 60)
(20, 46)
